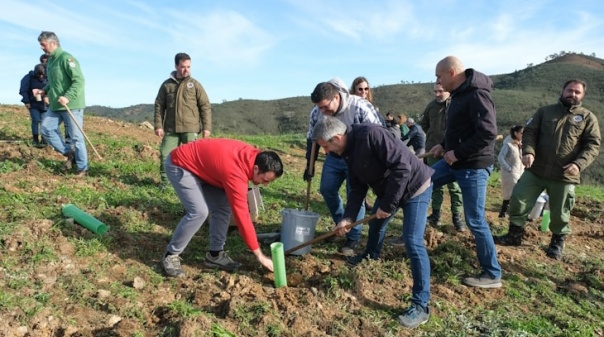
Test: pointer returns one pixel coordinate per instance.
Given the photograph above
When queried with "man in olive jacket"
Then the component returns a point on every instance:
(559, 142)
(182, 110)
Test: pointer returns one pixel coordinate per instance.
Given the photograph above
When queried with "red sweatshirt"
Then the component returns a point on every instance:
(226, 164)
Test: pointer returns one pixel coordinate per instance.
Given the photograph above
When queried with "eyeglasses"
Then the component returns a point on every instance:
(363, 89)
(322, 108)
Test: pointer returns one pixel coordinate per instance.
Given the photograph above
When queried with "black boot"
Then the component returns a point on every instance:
(458, 223)
(556, 245)
(504, 208)
(36, 140)
(434, 218)
(512, 238)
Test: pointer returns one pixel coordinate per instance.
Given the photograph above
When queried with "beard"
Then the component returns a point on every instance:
(568, 101)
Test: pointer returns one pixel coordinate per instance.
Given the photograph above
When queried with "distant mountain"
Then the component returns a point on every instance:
(517, 95)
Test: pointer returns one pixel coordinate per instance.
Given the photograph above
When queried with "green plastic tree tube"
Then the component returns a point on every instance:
(277, 253)
(545, 220)
(84, 219)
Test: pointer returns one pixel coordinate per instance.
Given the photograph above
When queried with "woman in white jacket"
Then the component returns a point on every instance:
(510, 160)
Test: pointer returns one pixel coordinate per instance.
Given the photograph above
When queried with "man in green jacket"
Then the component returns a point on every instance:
(559, 142)
(65, 88)
(182, 110)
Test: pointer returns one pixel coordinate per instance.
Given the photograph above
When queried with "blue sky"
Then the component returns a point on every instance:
(277, 49)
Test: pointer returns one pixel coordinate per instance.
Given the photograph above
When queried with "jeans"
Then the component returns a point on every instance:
(439, 193)
(36, 119)
(414, 226)
(171, 141)
(473, 184)
(335, 171)
(199, 200)
(52, 135)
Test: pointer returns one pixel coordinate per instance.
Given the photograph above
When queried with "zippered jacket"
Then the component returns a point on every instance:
(182, 106)
(65, 78)
(472, 123)
(557, 135)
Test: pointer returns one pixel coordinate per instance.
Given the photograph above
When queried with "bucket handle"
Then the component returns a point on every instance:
(328, 235)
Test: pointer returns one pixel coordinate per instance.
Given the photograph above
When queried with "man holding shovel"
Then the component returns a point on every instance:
(333, 99)
(376, 159)
(65, 90)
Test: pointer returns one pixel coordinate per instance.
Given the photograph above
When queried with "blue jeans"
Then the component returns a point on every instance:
(36, 119)
(52, 135)
(414, 226)
(473, 184)
(335, 171)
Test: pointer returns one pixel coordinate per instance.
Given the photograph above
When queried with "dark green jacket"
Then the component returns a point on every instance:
(433, 123)
(557, 136)
(182, 106)
(65, 78)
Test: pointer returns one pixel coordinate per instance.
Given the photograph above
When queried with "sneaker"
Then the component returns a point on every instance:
(396, 242)
(482, 281)
(68, 164)
(222, 261)
(171, 264)
(348, 248)
(414, 316)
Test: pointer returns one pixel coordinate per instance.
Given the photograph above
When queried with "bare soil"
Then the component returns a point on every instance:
(307, 307)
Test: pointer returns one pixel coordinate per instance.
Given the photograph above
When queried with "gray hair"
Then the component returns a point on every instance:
(328, 127)
(49, 36)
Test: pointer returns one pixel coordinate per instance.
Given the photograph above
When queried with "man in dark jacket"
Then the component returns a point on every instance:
(416, 136)
(35, 79)
(468, 155)
(559, 142)
(378, 160)
(433, 122)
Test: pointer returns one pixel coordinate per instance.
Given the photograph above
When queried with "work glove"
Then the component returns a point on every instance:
(307, 176)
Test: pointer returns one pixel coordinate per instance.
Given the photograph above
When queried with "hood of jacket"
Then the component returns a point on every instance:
(344, 94)
(474, 80)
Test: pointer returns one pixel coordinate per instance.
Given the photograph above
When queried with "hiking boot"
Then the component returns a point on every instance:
(434, 218)
(504, 208)
(458, 223)
(556, 246)
(396, 242)
(414, 316)
(222, 261)
(353, 261)
(348, 248)
(482, 281)
(512, 238)
(171, 264)
(68, 164)
(81, 174)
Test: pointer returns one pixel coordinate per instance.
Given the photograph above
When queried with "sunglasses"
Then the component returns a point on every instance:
(363, 89)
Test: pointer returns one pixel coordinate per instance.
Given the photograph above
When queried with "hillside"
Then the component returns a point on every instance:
(57, 279)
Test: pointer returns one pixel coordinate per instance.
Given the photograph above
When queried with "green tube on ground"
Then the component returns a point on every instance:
(545, 220)
(84, 219)
(277, 253)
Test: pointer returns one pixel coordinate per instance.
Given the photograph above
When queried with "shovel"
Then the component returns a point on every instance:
(311, 171)
(328, 235)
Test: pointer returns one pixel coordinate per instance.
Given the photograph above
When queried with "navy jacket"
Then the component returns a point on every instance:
(471, 123)
(378, 160)
(416, 136)
(29, 82)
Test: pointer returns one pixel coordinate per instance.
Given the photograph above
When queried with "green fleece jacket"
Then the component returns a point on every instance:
(182, 106)
(558, 135)
(65, 78)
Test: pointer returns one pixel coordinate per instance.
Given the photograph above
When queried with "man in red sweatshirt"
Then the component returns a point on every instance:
(211, 176)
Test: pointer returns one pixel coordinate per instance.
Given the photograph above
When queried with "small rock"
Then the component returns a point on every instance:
(138, 283)
(22, 331)
(113, 320)
(102, 293)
